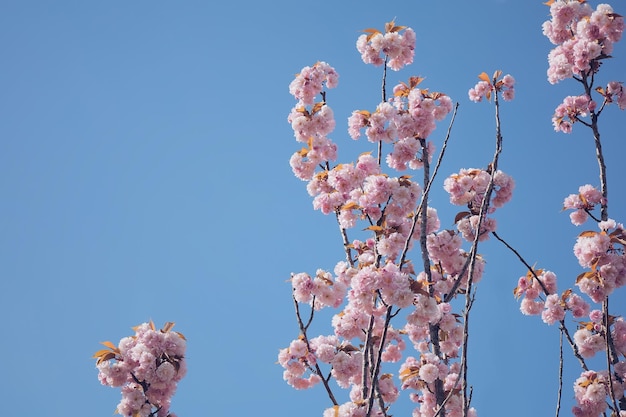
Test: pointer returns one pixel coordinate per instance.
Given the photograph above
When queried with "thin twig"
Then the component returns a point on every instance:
(303, 330)
(546, 292)
(558, 397)
(420, 209)
(376, 369)
(610, 359)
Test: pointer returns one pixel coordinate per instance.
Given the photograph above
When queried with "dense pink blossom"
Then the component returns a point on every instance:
(615, 93)
(397, 48)
(586, 200)
(588, 342)
(570, 111)
(310, 82)
(470, 185)
(577, 305)
(485, 87)
(553, 309)
(147, 367)
(582, 36)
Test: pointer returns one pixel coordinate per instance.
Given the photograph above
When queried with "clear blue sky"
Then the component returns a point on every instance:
(144, 175)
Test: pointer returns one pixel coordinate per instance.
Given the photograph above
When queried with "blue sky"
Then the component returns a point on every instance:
(144, 175)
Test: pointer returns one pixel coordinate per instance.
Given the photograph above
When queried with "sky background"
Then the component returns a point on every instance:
(144, 175)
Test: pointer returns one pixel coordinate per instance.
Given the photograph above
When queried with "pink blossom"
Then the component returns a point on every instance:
(347, 367)
(483, 88)
(429, 373)
(618, 335)
(569, 112)
(615, 92)
(531, 307)
(147, 367)
(310, 82)
(588, 343)
(553, 311)
(398, 48)
(578, 306)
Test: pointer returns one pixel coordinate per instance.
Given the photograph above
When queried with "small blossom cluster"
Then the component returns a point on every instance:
(583, 37)
(397, 48)
(147, 367)
(421, 376)
(591, 390)
(603, 253)
(403, 121)
(298, 361)
(486, 86)
(469, 187)
(310, 121)
(615, 93)
(582, 203)
(320, 291)
(589, 338)
(451, 262)
(570, 110)
(533, 288)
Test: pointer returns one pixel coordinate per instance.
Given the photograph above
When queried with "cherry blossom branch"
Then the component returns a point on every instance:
(562, 326)
(420, 209)
(376, 369)
(303, 330)
(469, 297)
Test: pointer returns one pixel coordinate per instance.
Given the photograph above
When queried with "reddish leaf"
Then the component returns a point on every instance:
(461, 215)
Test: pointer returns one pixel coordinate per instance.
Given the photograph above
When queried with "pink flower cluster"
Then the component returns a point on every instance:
(361, 191)
(310, 82)
(603, 253)
(582, 36)
(147, 366)
(615, 93)
(469, 187)
(487, 86)
(589, 337)
(320, 291)
(570, 111)
(312, 122)
(591, 390)
(298, 362)
(302, 356)
(582, 203)
(407, 117)
(398, 49)
(532, 290)
(420, 375)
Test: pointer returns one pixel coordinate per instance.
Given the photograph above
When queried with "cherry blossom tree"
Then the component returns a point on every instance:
(415, 313)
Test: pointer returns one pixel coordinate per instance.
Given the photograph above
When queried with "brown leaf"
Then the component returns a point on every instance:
(109, 345)
(167, 326)
(461, 215)
(350, 206)
(484, 77)
(588, 233)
